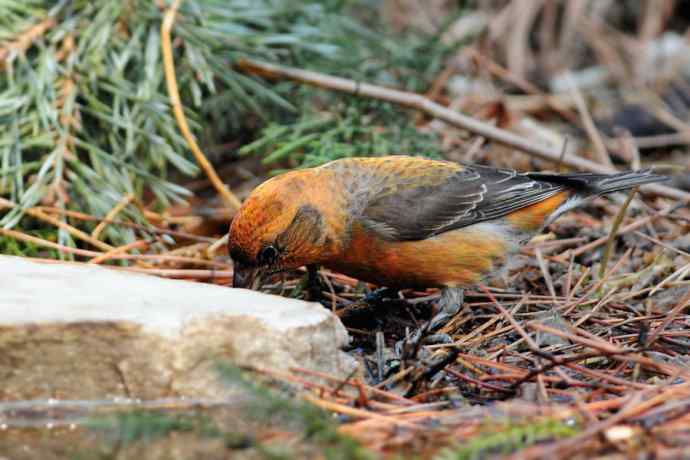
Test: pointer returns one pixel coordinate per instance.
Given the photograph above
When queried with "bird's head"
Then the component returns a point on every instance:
(280, 226)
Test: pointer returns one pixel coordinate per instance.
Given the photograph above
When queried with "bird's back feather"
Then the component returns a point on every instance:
(409, 198)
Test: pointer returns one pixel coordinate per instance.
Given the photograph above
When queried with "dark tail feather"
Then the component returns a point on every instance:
(598, 184)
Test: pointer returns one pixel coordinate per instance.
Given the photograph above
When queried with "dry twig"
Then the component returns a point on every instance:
(174, 94)
(415, 101)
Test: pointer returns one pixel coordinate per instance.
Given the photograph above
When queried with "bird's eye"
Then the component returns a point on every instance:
(267, 255)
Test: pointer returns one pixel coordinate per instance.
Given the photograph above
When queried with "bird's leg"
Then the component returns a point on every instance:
(314, 286)
(376, 296)
(449, 305)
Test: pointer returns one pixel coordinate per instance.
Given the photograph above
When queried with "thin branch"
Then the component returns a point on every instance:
(684, 303)
(353, 412)
(455, 118)
(38, 214)
(627, 229)
(144, 228)
(138, 244)
(24, 41)
(181, 273)
(614, 232)
(588, 123)
(122, 204)
(211, 250)
(173, 92)
(47, 244)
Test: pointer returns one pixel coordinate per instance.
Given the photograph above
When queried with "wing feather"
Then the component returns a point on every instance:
(468, 196)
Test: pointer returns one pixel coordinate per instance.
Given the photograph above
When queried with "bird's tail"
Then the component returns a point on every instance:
(599, 184)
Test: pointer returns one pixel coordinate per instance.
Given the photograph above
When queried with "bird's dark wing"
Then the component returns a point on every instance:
(468, 196)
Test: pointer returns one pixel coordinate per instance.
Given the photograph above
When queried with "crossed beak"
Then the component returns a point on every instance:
(244, 276)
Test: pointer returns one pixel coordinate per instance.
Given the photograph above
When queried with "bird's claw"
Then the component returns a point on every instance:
(376, 296)
(408, 347)
(451, 301)
(449, 306)
(435, 339)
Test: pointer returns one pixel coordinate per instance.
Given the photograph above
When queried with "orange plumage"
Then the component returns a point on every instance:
(403, 221)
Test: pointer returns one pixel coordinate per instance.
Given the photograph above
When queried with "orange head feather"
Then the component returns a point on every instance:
(280, 225)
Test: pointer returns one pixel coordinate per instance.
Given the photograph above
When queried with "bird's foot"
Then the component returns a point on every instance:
(438, 338)
(376, 296)
(449, 306)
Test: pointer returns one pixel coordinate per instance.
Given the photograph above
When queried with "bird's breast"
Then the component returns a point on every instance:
(456, 258)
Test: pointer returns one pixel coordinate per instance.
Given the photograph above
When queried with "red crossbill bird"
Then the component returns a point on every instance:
(405, 222)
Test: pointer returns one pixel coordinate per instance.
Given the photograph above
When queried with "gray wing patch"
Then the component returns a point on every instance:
(472, 195)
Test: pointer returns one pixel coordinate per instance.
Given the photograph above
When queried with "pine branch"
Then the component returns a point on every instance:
(87, 119)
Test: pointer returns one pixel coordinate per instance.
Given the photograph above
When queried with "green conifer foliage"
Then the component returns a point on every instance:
(85, 117)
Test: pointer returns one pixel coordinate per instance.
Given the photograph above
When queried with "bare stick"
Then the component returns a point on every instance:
(614, 232)
(122, 204)
(75, 232)
(684, 302)
(47, 244)
(138, 244)
(174, 94)
(418, 102)
(628, 228)
(588, 123)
